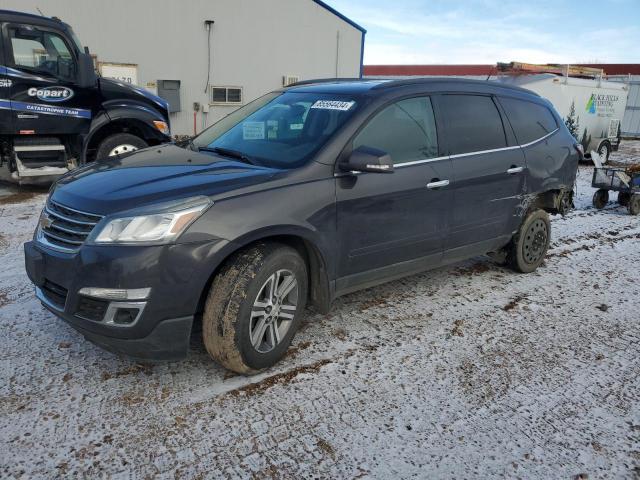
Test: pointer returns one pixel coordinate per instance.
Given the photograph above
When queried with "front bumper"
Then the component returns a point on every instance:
(176, 274)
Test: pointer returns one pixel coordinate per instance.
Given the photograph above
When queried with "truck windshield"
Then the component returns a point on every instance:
(280, 130)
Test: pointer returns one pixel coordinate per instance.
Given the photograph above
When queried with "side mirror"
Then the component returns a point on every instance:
(86, 71)
(368, 159)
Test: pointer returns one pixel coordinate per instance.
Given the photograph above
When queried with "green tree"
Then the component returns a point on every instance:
(572, 122)
(585, 140)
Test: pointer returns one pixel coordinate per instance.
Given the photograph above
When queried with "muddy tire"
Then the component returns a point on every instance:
(600, 199)
(254, 307)
(119, 144)
(623, 198)
(634, 204)
(565, 202)
(530, 244)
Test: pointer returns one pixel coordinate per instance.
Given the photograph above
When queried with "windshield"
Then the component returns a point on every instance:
(281, 130)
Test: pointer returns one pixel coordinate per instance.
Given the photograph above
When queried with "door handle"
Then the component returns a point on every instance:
(435, 183)
(513, 170)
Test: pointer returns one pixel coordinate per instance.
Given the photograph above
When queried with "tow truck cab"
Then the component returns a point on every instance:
(55, 112)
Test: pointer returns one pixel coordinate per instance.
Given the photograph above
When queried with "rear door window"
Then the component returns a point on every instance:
(406, 130)
(529, 120)
(473, 123)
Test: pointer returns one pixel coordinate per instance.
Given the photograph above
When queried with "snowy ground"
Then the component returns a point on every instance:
(467, 371)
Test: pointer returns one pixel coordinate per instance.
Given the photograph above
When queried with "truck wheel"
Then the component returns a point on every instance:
(623, 198)
(604, 150)
(600, 199)
(118, 144)
(254, 307)
(634, 204)
(530, 244)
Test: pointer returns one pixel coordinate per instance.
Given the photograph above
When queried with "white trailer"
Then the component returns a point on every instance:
(591, 108)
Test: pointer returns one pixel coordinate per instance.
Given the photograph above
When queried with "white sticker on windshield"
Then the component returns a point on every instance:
(333, 105)
(253, 130)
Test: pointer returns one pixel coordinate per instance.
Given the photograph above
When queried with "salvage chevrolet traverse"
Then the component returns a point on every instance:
(301, 196)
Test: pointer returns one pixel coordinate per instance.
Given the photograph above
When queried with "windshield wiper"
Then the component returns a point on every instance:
(227, 152)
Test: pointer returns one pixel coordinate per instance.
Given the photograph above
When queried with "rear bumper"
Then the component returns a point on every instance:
(175, 274)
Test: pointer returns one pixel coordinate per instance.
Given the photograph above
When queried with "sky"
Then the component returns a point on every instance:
(490, 31)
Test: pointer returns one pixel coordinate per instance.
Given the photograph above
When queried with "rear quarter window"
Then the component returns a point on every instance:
(529, 120)
(473, 123)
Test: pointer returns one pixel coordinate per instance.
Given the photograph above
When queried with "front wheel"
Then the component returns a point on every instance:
(119, 144)
(254, 307)
(530, 244)
(600, 199)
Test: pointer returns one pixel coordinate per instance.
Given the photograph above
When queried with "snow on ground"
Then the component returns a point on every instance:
(467, 371)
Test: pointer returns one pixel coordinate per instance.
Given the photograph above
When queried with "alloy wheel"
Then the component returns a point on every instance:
(273, 310)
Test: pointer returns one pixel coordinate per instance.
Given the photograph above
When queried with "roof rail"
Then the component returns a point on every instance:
(425, 80)
(324, 80)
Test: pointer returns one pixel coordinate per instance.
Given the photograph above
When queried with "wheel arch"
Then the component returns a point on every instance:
(549, 200)
(320, 291)
(122, 120)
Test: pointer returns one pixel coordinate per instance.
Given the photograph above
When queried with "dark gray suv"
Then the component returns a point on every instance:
(303, 195)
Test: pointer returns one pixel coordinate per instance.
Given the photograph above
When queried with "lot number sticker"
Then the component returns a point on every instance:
(333, 105)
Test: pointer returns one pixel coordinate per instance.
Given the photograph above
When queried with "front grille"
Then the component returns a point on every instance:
(56, 294)
(65, 227)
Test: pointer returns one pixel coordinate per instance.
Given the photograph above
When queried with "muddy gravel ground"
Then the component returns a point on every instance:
(467, 371)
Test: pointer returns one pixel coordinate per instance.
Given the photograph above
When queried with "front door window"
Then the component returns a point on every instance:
(41, 52)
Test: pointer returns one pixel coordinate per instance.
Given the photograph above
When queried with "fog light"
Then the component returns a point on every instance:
(125, 316)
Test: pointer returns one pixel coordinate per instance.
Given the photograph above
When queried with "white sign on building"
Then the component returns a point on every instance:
(124, 72)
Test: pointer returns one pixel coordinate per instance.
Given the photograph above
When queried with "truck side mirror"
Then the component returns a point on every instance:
(86, 71)
(368, 159)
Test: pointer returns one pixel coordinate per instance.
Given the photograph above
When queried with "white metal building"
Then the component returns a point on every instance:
(631, 123)
(221, 53)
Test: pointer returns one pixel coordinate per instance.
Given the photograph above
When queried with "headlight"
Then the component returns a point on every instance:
(161, 227)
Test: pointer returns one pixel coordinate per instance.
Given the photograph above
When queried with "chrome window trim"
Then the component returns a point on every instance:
(459, 155)
(540, 139)
(482, 152)
(418, 162)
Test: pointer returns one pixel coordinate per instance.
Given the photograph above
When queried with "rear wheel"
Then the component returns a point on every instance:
(604, 150)
(119, 144)
(530, 244)
(634, 204)
(600, 199)
(623, 198)
(254, 307)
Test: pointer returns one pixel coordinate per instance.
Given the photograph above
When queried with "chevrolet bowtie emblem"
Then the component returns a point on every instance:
(45, 221)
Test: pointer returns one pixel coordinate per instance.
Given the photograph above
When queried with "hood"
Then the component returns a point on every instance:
(154, 175)
(116, 90)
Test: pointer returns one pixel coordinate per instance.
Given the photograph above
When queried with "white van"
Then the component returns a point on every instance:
(591, 108)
